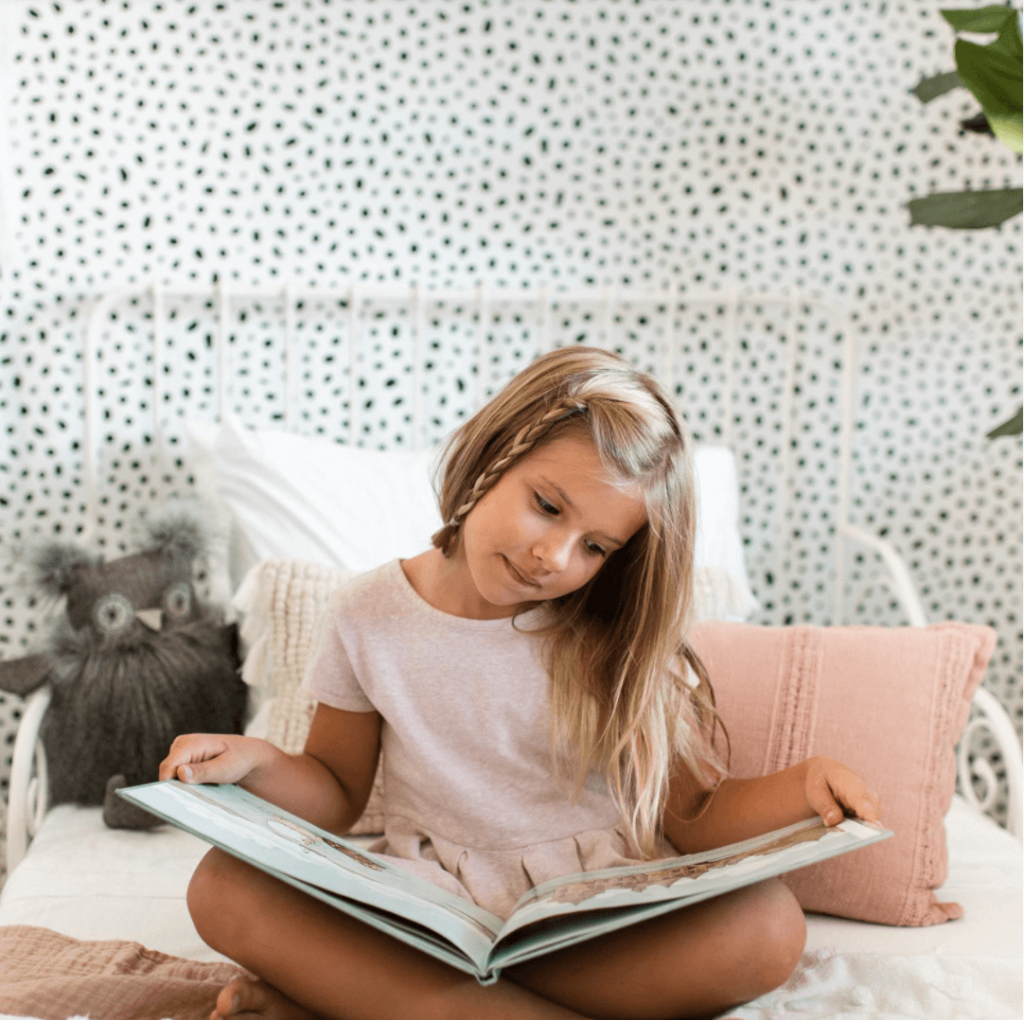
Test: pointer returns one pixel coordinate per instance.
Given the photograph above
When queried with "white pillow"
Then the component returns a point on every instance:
(718, 551)
(309, 498)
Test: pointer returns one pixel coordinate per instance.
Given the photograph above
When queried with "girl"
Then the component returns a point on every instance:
(527, 679)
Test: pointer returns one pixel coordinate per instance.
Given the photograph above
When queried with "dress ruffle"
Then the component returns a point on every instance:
(497, 879)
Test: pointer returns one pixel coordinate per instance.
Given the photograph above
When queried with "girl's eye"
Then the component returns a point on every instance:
(544, 506)
(552, 511)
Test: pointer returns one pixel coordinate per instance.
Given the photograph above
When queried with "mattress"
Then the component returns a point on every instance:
(90, 882)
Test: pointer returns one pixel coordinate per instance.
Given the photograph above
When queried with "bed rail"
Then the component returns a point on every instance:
(28, 794)
(978, 779)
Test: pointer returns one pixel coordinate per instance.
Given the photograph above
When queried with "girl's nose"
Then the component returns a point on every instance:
(553, 552)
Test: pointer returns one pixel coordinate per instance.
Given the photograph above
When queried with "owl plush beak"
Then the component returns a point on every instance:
(152, 618)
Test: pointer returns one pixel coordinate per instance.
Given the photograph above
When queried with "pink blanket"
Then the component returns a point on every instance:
(50, 976)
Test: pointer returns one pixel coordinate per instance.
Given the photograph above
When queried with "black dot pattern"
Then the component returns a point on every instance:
(645, 146)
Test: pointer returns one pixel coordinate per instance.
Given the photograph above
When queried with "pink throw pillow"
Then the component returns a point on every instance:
(891, 704)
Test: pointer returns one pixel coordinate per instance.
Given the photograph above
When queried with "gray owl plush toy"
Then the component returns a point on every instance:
(135, 660)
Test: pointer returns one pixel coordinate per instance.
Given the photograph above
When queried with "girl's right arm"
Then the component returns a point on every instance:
(328, 784)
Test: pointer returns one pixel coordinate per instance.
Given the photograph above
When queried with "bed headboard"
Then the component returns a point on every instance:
(769, 375)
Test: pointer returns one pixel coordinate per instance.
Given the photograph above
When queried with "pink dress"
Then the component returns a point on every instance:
(472, 801)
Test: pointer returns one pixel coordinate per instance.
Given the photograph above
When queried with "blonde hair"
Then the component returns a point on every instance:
(617, 648)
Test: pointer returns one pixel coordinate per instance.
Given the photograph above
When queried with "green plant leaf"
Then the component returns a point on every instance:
(928, 89)
(966, 210)
(995, 76)
(1008, 129)
(978, 124)
(1009, 44)
(978, 19)
(995, 79)
(1011, 427)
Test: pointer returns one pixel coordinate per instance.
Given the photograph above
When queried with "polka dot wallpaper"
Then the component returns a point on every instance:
(649, 146)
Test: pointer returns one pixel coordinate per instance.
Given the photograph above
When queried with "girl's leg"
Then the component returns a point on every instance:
(318, 961)
(692, 963)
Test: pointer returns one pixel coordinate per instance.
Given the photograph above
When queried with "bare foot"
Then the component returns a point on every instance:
(242, 999)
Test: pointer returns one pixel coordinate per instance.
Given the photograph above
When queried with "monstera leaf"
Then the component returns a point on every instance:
(992, 73)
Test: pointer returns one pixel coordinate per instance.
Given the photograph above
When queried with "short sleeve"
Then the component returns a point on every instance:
(329, 677)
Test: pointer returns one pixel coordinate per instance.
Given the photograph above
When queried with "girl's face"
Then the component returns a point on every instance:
(544, 529)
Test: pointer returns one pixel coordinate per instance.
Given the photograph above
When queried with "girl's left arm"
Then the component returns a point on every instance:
(737, 809)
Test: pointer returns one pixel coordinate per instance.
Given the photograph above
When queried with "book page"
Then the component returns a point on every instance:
(281, 843)
(693, 877)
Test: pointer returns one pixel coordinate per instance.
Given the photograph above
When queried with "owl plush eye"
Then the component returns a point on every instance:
(178, 601)
(113, 613)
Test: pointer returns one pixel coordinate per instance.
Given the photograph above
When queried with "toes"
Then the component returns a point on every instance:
(243, 999)
(234, 998)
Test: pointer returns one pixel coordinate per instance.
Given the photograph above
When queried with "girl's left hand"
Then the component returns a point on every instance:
(833, 791)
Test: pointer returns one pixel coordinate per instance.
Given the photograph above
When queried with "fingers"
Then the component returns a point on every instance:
(197, 758)
(871, 807)
(833, 791)
(213, 758)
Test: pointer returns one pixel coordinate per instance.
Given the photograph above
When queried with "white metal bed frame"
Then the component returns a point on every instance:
(607, 299)
(28, 798)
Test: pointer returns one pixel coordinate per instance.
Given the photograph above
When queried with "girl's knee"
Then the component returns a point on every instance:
(779, 934)
(211, 891)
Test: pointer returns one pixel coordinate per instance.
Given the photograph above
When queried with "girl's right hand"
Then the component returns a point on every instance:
(214, 758)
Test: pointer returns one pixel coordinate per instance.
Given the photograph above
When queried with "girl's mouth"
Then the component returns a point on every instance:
(517, 576)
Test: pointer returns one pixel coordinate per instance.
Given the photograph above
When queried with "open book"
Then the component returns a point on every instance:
(550, 916)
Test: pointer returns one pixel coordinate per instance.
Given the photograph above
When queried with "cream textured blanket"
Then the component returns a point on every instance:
(278, 602)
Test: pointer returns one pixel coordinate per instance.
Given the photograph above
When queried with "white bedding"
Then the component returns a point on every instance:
(883, 986)
(961, 970)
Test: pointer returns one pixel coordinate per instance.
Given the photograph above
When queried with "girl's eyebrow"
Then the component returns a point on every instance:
(560, 492)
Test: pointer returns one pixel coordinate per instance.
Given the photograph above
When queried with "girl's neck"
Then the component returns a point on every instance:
(444, 583)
